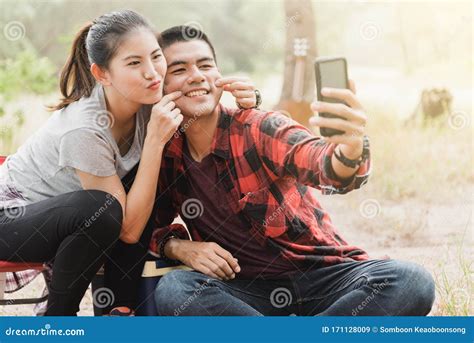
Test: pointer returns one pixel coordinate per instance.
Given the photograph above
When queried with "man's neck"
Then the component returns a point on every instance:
(200, 134)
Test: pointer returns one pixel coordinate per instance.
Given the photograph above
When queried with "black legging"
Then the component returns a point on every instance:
(77, 230)
(124, 264)
(123, 269)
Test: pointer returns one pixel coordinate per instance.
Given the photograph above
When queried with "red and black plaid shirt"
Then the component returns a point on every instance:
(271, 168)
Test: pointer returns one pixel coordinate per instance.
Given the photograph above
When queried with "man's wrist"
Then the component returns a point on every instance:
(258, 101)
(171, 248)
(353, 162)
(350, 152)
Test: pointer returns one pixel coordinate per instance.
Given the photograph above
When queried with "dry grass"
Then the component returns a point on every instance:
(455, 290)
(420, 162)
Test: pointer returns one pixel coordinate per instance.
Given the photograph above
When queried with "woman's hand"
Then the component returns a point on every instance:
(351, 142)
(165, 118)
(241, 88)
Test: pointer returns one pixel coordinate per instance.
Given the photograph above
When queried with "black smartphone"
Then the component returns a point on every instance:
(330, 72)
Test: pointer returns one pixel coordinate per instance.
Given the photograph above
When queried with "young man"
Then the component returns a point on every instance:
(245, 183)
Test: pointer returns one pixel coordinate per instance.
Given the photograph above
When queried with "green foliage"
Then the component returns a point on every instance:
(10, 123)
(26, 73)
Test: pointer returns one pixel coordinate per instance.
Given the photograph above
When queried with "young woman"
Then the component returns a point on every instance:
(61, 195)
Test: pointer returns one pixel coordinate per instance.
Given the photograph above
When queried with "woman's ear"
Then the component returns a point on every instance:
(100, 75)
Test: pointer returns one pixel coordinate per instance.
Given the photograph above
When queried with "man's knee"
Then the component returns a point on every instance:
(174, 289)
(418, 287)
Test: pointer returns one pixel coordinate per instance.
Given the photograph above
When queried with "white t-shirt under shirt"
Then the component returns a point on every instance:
(76, 137)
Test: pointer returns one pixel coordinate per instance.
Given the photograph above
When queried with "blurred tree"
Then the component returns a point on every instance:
(232, 39)
(237, 28)
(26, 73)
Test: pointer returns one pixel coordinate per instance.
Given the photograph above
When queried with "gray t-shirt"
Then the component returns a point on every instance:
(76, 137)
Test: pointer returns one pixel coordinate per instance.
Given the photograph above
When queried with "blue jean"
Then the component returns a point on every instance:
(369, 288)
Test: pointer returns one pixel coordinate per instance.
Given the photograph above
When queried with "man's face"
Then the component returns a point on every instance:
(193, 71)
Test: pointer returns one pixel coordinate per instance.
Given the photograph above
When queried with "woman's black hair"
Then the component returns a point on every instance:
(96, 42)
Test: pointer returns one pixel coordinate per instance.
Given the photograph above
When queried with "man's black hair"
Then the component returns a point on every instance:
(183, 33)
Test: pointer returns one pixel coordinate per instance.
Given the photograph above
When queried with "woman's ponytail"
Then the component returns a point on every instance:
(97, 43)
(76, 79)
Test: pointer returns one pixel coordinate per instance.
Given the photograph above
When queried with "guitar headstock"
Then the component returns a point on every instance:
(300, 47)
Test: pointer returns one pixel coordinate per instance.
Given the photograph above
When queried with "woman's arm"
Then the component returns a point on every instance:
(138, 203)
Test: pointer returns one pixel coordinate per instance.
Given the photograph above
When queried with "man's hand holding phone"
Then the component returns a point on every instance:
(352, 122)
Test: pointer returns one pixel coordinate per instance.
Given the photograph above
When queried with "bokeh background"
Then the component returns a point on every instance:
(412, 65)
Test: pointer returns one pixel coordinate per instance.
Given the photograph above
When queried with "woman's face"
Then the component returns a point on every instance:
(137, 70)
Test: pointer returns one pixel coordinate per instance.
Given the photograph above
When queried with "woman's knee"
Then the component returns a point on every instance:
(99, 210)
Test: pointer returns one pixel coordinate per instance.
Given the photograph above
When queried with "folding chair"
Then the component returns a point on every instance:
(18, 267)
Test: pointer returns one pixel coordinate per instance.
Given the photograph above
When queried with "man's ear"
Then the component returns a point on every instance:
(101, 76)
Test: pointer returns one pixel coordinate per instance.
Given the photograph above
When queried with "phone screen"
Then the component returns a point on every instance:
(333, 75)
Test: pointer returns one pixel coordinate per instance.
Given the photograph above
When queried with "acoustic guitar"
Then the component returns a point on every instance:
(296, 107)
